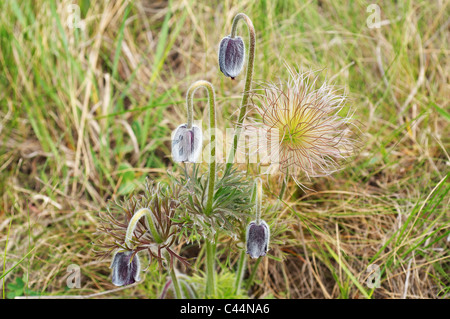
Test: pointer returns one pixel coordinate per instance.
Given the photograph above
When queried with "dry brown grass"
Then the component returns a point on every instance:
(73, 124)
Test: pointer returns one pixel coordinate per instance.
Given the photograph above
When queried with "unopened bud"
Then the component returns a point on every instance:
(231, 56)
(125, 268)
(258, 239)
(186, 143)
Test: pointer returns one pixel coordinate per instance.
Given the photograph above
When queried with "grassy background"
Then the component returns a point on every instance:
(86, 114)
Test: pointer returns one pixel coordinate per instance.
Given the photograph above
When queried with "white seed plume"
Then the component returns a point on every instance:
(312, 136)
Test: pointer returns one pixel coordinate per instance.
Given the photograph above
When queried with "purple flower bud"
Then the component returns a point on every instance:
(125, 269)
(231, 56)
(258, 239)
(186, 143)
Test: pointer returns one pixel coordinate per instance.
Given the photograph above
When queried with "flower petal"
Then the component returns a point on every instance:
(257, 239)
(231, 56)
(186, 143)
(125, 268)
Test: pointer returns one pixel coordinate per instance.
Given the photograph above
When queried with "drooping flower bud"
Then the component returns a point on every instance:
(258, 239)
(231, 56)
(186, 143)
(125, 268)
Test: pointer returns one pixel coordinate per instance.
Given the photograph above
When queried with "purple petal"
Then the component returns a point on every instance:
(186, 143)
(257, 239)
(231, 56)
(125, 268)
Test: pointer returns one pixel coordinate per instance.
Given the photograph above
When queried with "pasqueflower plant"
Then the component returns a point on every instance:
(203, 205)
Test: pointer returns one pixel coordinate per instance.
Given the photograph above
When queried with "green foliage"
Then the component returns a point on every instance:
(231, 204)
(19, 288)
(224, 285)
(384, 208)
(129, 180)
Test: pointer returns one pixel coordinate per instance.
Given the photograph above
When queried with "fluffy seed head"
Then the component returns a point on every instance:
(304, 125)
(231, 56)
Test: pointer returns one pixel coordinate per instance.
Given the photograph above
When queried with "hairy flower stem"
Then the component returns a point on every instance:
(173, 276)
(257, 198)
(248, 83)
(129, 235)
(133, 222)
(240, 271)
(212, 126)
(190, 106)
(210, 247)
(258, 205)
(176, 285)
(210, 269)
(253, 273)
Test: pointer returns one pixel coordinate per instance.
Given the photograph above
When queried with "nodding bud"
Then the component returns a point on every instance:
(125, 268)
(231, 56)
(258, 239)
(186, 143)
